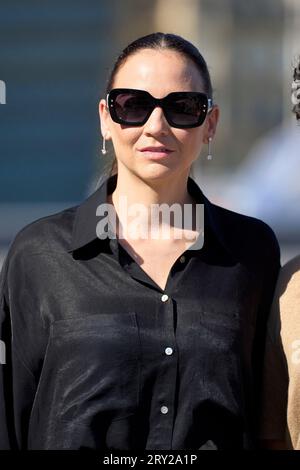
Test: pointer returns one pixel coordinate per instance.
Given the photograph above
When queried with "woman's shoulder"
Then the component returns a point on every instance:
(46, 234)
(245, 232)
(242, 220)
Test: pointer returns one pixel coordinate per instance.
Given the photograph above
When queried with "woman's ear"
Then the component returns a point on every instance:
(104, 120)
(211, 123)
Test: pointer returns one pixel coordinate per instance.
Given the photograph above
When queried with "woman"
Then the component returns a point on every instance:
(281, 410)
(119, 341)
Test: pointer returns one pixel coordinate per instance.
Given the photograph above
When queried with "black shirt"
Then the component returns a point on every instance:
(99, 356)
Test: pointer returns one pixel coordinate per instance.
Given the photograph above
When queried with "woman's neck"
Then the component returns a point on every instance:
(172, 190)
(151, 206)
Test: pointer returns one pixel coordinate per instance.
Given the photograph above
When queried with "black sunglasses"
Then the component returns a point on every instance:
(183, 109)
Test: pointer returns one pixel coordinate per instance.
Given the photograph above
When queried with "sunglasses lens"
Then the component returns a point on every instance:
(186, 111)
(131, 107)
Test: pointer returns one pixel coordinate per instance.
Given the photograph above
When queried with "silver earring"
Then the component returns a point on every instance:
(209, 155)
(103, 150)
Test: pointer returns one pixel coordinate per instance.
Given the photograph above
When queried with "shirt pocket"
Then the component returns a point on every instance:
(222, 327)
(91, 371)
(215, 368)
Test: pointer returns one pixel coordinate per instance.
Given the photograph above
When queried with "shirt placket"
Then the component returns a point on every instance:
(163, 409)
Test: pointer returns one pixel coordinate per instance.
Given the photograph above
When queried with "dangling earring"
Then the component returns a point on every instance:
(103, 150)
(209, 155)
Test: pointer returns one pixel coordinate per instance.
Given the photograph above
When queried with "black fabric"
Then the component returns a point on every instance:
(86, 330)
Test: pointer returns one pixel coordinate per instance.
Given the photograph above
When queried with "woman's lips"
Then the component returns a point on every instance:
(155, 153)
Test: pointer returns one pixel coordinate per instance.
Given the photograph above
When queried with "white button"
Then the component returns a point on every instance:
(169, 351)
(164, 297)
(164, 410)
(182, 259)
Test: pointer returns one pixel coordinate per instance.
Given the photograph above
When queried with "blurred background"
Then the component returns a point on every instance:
(55, 57)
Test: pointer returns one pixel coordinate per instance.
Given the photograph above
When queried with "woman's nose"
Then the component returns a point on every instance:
(156, 122)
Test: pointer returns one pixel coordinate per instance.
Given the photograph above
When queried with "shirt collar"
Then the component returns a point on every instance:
(86, 220)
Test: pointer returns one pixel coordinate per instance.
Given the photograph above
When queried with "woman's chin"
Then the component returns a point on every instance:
(157, 173)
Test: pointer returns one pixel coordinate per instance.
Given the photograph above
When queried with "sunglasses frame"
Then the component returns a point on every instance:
(161, 102)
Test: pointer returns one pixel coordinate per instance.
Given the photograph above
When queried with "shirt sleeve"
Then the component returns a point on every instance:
(273, 424)
(17, 383)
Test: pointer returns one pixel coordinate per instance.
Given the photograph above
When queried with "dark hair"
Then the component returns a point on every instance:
(296, 92)
(160, 41)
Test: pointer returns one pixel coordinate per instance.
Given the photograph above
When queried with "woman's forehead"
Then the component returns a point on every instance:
(159, 69)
